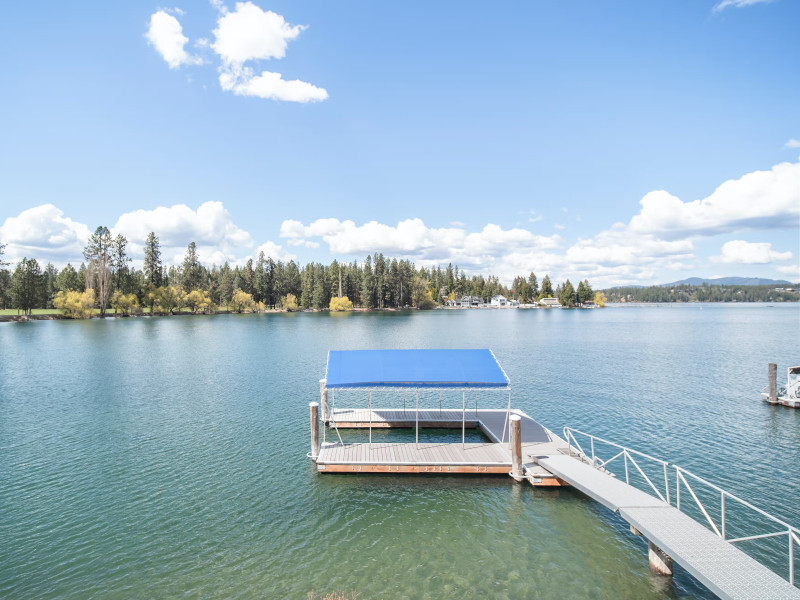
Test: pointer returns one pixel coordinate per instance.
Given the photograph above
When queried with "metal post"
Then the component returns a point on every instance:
(594, 463)
(416, 424)
(463, 418)
(369, 394)
(516, 447)
(773, 383)
(323, 400)
(677, 487)
(314, 406)
(625, 458)
(791, 558)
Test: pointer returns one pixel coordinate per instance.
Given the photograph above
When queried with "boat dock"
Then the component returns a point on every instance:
(516, 445)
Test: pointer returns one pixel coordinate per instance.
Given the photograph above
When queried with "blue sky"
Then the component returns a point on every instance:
(626, 142)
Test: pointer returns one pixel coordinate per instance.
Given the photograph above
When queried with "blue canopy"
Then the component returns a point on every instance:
(414, 369)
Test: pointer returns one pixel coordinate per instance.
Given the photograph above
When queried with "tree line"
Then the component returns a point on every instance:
(106, 280)
(703, 293)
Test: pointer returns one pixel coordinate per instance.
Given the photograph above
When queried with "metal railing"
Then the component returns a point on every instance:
(783, 528)
(628, 456)
(682, 480)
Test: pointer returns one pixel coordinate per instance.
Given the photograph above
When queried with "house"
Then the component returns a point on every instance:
(514, 303)
(499, 300)
(471, 302)
(589, 304)
(549, 303)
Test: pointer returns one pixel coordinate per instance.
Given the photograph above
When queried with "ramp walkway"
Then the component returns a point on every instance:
(719, 565)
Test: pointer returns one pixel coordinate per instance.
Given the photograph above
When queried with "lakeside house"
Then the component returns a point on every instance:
(471, 302)
(499, 300)
(549, 303)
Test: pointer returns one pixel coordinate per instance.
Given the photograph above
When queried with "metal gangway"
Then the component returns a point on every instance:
(709, 553)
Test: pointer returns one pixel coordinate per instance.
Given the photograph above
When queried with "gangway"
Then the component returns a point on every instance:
(673, 535)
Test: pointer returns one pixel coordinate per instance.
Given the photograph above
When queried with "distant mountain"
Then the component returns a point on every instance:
(728, 281)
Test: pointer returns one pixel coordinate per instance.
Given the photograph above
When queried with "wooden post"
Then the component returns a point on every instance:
(516, 447)
(660, 562)
(773, 383)
(314, 430)
(323, 400)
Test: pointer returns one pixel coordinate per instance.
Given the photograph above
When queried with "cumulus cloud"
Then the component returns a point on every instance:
(242, 82)
(249, 33)
(792, 143)
(749, 253)
(165, 34)
(758, 200)
(275, 251)
(210, 224)
(245, 34)
(44, 233)
(737, 4)
(413, 239)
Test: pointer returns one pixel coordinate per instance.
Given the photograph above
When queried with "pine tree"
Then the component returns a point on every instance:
(153, 269)
(98, 252)
(27, 283)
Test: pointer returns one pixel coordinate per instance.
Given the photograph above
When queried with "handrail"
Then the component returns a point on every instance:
(681, 475)
(626, 453)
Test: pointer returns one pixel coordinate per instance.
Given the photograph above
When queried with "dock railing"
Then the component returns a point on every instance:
(684, 481)
(628, 456)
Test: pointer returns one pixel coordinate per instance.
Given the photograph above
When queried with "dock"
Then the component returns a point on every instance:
(493, 456)
(516, 445)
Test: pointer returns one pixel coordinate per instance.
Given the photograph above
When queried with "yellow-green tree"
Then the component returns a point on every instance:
(341, 304)
(75, 305)
(289, 302)
(427, 301)
(198, 300)
(600, 299)
(124, 303)
(169, 299)
(242, 301)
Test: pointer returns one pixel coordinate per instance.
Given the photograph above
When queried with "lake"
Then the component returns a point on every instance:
(165, 457)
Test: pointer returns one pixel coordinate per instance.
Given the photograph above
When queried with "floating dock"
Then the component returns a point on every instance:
(492, 456)
(518, 446)
(788, 396)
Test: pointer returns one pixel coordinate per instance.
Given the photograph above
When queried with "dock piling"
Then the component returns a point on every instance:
(660, 562)
(323, 400)
(314, 406)
(516, 447)
(773, 383)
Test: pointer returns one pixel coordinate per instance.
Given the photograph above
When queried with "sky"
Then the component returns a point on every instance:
(625, 142)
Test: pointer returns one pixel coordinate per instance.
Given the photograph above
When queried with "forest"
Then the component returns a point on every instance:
(704, 293)
(106, 281)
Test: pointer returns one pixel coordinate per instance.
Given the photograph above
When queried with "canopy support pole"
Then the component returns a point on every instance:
(333, 416)
(417, 420)
(369, 394)
(463, 418)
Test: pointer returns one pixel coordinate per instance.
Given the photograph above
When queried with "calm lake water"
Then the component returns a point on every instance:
(154, 458)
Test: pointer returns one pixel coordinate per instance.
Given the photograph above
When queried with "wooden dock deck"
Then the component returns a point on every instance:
(490, 457)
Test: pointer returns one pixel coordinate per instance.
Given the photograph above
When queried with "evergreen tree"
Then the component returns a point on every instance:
(49, 287)
(547, 288)
(119, 264)
(192, 271)
(27, 284)
(534, 285)
(98, 252)
(153, 269)
(567, 294)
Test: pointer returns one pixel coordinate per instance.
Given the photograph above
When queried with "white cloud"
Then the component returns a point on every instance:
(792, 143)
(177, 225)
(737, 4)
(44, 233)
(791, 271)
(166, 35)
(249, 33)
(411, 238)
(275, 251)
(749, 253)
(758, 200)
(269, 85)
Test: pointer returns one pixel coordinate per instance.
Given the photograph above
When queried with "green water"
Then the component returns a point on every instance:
(155, 458)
